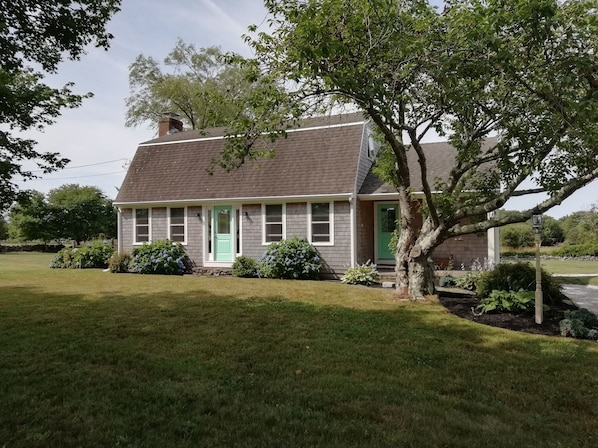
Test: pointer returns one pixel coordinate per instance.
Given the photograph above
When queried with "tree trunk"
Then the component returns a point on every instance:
(421, 277)
(407, 236)
(414, 268)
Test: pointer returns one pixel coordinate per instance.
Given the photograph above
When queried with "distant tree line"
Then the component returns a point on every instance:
(575, 229)
(71, 212)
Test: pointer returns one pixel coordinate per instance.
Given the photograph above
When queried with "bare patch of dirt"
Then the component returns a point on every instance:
(463, 306)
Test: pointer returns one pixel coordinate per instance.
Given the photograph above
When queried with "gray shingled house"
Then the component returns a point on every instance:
(319, 185)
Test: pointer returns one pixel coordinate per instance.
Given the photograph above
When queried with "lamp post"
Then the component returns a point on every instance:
(537, 221)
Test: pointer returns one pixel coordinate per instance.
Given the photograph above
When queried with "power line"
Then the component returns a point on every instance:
(85, 166)
(79, 177)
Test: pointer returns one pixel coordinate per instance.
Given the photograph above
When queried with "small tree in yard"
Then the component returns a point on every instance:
(521, 72)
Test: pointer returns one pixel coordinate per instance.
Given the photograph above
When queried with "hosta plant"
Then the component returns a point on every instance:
(365, 274)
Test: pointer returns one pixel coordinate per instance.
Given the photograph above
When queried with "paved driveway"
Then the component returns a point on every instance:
(584, 296)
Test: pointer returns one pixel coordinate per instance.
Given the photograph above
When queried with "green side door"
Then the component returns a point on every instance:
(223, 236)
(386, 222)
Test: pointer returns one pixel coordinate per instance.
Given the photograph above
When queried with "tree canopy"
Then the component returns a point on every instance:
(511, 84)
(34, 39)
(202, 86)
(72, 211)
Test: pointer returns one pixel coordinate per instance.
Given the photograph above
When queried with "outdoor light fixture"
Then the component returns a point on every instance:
(537, 222)
(199, 215)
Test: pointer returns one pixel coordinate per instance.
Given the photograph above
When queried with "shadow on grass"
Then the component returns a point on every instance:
(171, 369)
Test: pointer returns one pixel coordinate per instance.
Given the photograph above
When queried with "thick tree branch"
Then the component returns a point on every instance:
(556, 199)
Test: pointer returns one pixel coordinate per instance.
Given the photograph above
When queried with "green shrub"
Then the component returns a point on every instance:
(245, 267)
(365, 274)
(446, 281)
(516, 236)
(588, 318)
(94, 255)
(469, 281)
(508, 302)
(159, 257)
(294, 258)
(119, 263)
(578, 250)
(580, 324)
(519, 276)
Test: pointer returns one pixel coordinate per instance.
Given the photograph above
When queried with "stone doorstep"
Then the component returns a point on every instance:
(212, 272)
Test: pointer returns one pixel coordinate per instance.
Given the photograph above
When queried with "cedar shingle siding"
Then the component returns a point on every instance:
(325, 160)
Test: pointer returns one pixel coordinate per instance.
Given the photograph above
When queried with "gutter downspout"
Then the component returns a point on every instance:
(119, 231)
(353, 219)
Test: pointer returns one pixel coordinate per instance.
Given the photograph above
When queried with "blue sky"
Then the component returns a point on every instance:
(94, 136)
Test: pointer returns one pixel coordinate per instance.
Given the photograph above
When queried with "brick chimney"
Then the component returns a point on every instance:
(169, 124)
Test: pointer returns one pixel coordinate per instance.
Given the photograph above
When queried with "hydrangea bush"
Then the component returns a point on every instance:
(159, 257)
(293, 258)
(94, 255)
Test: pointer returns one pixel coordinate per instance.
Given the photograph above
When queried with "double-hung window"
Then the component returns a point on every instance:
(274, 228)
(142, 225)
(321, 229)
(177, 224)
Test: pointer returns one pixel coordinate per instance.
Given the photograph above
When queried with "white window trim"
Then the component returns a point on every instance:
(331, 221)
(149, 223)
(284, 222)
(185, 239)
(238, 225)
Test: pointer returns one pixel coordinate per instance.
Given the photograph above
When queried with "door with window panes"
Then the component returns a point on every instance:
(386, 223)
(223, 236)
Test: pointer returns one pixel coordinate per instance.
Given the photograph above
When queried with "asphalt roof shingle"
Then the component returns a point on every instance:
(319, 159)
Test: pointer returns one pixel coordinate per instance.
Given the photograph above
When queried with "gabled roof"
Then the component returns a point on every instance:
(440, 160)
(318, 159)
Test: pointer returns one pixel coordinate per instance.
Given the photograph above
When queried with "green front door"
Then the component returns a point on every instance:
(386, 222)
(223, 233)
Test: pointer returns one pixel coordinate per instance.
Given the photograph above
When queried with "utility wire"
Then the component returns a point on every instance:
(85, 166)
(78, 177)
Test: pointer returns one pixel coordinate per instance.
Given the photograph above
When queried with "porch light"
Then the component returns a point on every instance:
(199, 215)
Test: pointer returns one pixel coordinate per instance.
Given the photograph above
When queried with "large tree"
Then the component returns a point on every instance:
(522, 72)
(72, 212)
(202, 86)
(32, 219)
(35, 36)
(82, 212)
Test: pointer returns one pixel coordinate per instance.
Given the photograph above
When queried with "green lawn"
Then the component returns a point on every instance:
(93, 359)
(565, 270)
(570, 266)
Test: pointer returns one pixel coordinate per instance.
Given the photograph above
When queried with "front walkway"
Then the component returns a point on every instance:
(584, 296)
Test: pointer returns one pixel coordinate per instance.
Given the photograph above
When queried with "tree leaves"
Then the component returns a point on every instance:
(202, 86)
(40, 34)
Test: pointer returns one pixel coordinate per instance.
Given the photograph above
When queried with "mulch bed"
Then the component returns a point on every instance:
(462, 306)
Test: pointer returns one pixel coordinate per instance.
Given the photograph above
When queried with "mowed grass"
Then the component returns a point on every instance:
(569, 267)
(116, 360)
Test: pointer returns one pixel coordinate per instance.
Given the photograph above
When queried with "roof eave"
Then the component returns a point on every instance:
(235, 200)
